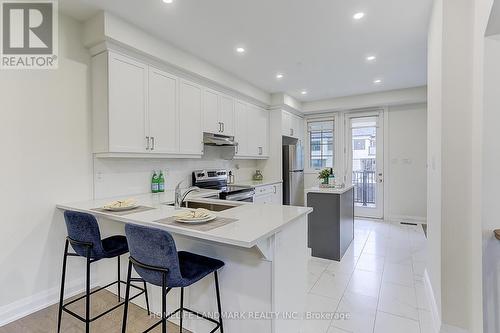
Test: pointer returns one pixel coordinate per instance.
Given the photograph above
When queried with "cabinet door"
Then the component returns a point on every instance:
(263, 132)
(286, 123)
(191, 133)
(278, 195)
(296, 127)
(226, 114)
(211, 119)
(264, 199)
(258, 132)
(127, 86)
(241, 128)
(162, 112)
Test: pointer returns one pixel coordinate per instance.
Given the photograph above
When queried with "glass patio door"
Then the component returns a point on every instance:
(365, 163)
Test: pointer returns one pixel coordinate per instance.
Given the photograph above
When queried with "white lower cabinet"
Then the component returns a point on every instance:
(268, 194)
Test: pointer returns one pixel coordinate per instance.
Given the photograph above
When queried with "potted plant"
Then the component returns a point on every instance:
(323, 175)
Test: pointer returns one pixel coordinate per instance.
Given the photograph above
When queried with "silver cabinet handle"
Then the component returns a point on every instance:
(202, 147)
(291, 131)
(223, 127)
(147, 143)
(220, 127)
(274, 189)
(260, 150)
(152, 143)
(236, 149)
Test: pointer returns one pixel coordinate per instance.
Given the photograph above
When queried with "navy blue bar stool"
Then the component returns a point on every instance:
(154, 256)
(85, 239)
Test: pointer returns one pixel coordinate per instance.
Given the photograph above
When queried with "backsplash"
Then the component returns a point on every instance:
(121, 176)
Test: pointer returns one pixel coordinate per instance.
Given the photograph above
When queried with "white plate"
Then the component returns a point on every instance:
(120, 209)
(196, 221)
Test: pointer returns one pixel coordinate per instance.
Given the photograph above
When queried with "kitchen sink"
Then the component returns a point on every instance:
(206, 205)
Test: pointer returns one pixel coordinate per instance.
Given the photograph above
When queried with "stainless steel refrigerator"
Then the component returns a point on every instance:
(293, 175)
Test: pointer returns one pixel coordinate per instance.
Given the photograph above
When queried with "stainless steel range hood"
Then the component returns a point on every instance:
(211, 139)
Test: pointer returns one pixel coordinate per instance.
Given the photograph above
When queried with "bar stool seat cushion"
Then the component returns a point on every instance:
(194, 267)
(156, 247)
(114, 246)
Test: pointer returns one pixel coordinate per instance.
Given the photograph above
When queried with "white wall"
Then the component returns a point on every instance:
(491, 161)
(456, 41)
(406, 172)
(115, 177)
(46, 158)
(384, 98)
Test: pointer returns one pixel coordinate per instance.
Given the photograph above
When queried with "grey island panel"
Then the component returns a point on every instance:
(331, 224)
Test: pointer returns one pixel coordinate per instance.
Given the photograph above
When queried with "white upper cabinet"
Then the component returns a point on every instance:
(211, 122)
(286, 124)
(258, 133)
(190, 118)
(291, 125)
(241, 128)
(127, 84)
(251, 131)
(226, 113)
(162, 112)
(140, 110)
(218, 113)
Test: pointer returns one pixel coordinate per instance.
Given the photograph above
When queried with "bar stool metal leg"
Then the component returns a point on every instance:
(119, 280)
(182, 308)
(61, 298)
(87, 298)
(164, 303)
(219, 308)
(127, 296)
(147, 298)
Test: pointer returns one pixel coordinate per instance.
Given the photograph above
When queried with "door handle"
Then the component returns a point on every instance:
(223, 127)
(152, 143)
(147, 143)
(260, 150)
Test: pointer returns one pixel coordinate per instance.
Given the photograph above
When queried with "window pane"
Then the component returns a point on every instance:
(321, 144)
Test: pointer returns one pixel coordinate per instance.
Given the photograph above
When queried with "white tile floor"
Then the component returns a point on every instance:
(378, 284)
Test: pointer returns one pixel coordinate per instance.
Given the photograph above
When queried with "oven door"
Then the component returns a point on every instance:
(245, 196)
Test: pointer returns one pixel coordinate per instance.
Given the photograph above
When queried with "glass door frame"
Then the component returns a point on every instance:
(378, 211)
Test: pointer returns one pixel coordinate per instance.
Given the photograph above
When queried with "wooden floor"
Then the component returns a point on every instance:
(46, 320)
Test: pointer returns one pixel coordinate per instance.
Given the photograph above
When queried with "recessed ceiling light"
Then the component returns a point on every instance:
(377, 81)
(240, 50)
(168, 1)
(359, 16)
(279, 76)
(304, 92)
(371, 58)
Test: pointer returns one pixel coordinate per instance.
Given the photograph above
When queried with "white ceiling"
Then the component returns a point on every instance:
(315, 43)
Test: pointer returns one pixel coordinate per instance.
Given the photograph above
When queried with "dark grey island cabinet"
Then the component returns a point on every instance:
(331, 224)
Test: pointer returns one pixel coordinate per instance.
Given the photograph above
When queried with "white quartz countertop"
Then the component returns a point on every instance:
(257, 183)
(256, 222)
(318, 189)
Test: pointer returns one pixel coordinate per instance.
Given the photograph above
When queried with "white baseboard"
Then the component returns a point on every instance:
(435, 314)
(407, 218)
(28, 305)
(452, 329)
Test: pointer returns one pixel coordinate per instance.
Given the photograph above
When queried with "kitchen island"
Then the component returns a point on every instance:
(265, 251)
(331, 225)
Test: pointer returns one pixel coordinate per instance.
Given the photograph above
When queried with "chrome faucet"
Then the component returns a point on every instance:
(179, 197)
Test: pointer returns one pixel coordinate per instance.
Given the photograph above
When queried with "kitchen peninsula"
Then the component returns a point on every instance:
(265, 251)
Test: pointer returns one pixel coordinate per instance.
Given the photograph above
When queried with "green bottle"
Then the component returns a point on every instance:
(154, 183)
(161, 182)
